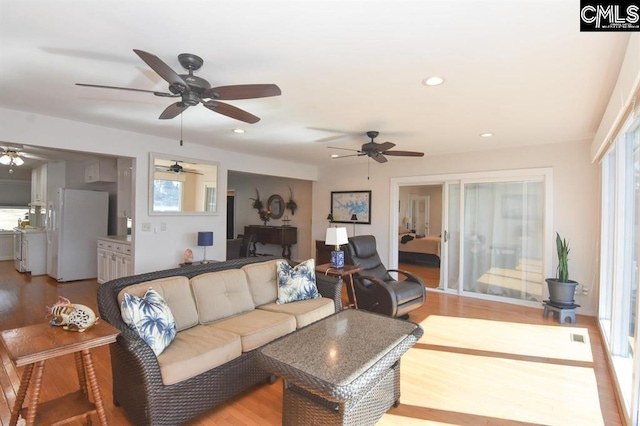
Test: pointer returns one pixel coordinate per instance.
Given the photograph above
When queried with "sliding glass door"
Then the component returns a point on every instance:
(503, 238)
(495, 227)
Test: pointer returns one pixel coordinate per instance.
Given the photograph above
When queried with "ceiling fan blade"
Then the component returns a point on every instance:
(404, 153)
(163, 70)
(350, 155)
(379, 158)
(344, 149)
(385, 146)
(99, 86)
(173, 110)
(242, 91)
(231, 111)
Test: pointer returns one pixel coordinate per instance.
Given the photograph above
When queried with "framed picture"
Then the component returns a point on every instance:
(344, 204)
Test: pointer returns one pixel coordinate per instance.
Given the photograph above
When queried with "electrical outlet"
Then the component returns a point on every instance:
(163, 226)
(146, 227)
(585, 290)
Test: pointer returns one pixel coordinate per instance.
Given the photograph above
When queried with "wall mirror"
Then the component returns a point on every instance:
(179, 185)
(275, 205)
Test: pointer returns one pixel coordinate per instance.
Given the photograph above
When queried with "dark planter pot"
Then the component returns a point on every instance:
(561, 293)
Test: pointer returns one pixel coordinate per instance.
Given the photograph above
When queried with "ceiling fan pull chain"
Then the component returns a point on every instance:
(181, 129)
(368, 166)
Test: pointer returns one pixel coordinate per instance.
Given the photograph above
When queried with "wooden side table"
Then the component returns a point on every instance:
(31, 346)
(346, 271)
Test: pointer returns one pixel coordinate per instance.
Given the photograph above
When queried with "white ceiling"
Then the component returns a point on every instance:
(520, 69)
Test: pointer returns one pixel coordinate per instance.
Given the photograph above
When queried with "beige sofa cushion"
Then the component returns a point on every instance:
(176, 292)
(263, 281)
(221, 294)
(197, 350)
(305, 311)
(257, 327)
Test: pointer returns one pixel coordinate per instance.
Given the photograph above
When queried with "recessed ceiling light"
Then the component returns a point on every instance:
(433, 81)
(238, 131)
(334, 155)
(486, 134)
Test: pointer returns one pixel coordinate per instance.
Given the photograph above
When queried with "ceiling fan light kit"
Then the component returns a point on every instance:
(11, 158)
(194, 90)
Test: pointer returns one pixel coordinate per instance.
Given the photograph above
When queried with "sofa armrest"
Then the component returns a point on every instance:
(331, 288)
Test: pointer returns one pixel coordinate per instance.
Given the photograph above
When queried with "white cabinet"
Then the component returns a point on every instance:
(100, 171)
(39, 185)
(114, 259)
(125, 185)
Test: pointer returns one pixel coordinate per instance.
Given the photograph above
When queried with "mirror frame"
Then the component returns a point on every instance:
(194, 164)
(273, 199)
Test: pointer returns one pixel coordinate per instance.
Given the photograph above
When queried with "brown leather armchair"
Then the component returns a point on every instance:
(375, 289)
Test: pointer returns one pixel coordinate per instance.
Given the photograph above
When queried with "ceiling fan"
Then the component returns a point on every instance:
(377, 151)
(176, 168)
(194, 90)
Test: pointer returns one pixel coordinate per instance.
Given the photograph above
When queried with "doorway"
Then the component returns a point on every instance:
(419, 235)
(495, 236)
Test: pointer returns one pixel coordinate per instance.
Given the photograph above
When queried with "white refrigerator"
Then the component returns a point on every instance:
(75, 219)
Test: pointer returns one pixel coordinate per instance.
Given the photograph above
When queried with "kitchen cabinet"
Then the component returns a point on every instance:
(114, 258)
(125, 185)
(101, 171)
(45, 179)
(39, 185)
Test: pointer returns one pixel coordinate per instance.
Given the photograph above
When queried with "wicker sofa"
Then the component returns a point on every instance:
(205, 364)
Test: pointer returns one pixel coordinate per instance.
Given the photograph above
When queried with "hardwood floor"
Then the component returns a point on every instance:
(429, 274)
(23, 300)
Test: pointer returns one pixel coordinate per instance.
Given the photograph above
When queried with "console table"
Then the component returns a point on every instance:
(284, 236)
(31, 346)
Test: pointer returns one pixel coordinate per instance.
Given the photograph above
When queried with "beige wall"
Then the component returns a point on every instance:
(156, 249)
(575, 196)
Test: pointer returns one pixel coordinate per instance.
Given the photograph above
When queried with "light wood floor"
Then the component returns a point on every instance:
(23, 300)
(429, 274)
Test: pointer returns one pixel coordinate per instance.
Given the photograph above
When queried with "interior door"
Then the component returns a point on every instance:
(231, 203)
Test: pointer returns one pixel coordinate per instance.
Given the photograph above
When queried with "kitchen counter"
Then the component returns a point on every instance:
(28, 230)
(117, 238)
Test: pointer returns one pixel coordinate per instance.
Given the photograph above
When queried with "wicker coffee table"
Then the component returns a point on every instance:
(341, 370)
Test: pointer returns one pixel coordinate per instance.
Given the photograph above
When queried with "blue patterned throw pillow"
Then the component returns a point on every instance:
(297, 282)
(151, 318)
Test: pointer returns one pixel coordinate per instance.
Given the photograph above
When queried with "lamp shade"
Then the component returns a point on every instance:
(205, 238)
(336, 237)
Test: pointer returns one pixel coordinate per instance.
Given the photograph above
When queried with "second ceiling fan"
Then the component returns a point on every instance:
(377, 151)
(194, 90)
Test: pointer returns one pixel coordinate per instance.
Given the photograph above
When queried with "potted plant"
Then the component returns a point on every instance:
(561, 288)
(291, 204)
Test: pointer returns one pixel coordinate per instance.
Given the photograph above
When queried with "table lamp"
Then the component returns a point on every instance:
(205, 239)
(330, 218)
(336, 237)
